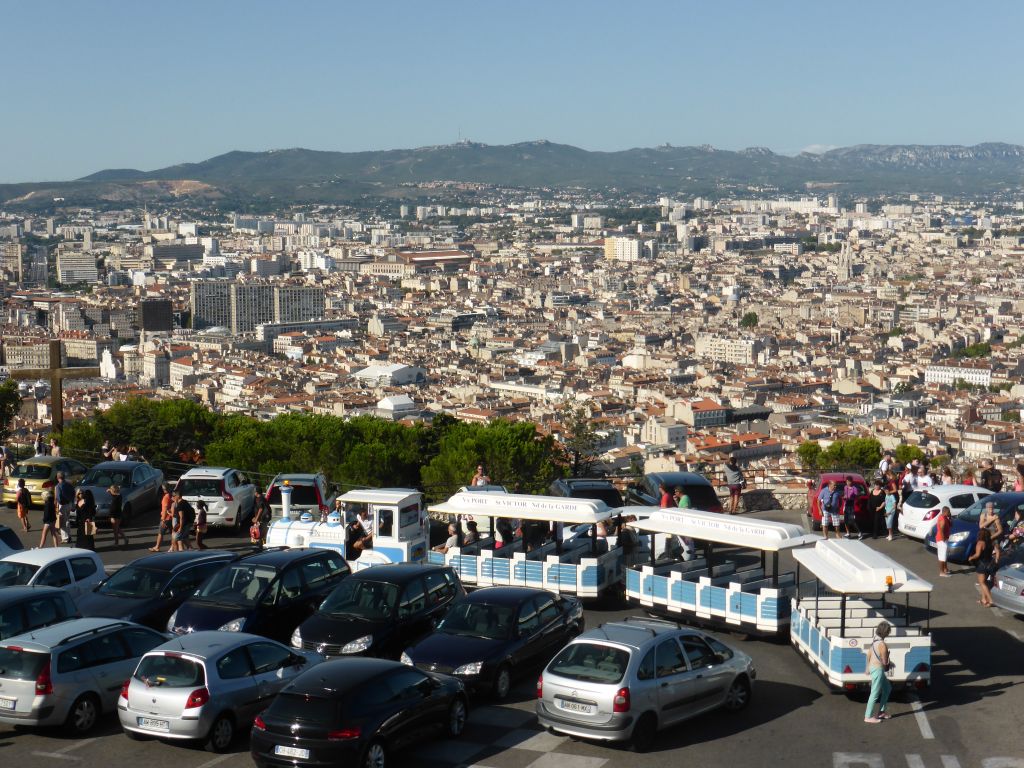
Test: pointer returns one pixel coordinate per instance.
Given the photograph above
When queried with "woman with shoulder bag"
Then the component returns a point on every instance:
(200, 523)
(986, 560)
(85, 511)
(21, 501)
(878, 667)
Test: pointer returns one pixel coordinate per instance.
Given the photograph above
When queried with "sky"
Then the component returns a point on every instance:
(109, 84)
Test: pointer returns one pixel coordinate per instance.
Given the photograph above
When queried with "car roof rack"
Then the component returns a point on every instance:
(93, 631)
(638, 621)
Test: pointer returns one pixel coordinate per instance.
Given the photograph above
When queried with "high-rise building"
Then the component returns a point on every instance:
(13, 256)
(74, 266)
(622, 249)
(156, 315)
(251, 304)
(210, 303)
(293, 303)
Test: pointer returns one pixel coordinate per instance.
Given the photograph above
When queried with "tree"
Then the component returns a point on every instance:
(856, 453)
(810, 455)
(10, 404)
(749, 320)
(580, 440)
(1013, 416)
(905, 454)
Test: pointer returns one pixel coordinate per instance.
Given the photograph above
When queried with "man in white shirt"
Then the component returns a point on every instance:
(923, 479)
(885, 463)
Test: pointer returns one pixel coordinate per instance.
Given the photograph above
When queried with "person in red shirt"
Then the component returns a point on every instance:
(166, 502)
(666, 497)
(942, 539)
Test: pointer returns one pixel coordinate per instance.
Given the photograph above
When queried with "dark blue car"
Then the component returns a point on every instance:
(963, 534)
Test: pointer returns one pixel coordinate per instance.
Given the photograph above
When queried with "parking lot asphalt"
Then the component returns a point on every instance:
(968, 717)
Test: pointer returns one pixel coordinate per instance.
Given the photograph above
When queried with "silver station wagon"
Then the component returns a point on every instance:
(207, 686)
(627, 680)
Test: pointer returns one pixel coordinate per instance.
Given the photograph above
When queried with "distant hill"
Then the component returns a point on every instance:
(306, 175)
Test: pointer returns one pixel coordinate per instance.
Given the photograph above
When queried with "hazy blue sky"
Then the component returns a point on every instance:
(101, 84)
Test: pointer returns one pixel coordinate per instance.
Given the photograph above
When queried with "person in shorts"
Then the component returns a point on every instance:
(828, 506)
(942, 526)
(166, 502)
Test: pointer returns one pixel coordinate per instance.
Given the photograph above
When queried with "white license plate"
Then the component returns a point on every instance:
(291, 752)
(575, 706)
(8, 703)
(910, 528)
(1010, 589)
(154, 725)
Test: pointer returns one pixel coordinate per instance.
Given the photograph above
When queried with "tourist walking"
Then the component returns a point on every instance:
(986, 561)
(891, 508)
(878, 667)
(828, 508)
(201, 524)
(166, 502)
(261, 519)
(117, 514)
(64, 493)
(85, 518)
(850, 494)
(876, 506)
(942, 526)
(735, 481)
(22, 500)
(49, 521)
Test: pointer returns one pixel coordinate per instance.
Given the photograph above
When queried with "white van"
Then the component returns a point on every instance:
(228, 494)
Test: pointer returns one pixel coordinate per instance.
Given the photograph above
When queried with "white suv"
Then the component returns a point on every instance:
(921, 509)
(228, 494)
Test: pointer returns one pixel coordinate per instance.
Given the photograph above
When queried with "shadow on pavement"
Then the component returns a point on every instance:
(992, 652)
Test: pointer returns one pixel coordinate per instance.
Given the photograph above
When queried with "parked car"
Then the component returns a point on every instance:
(697, 487)
(268, 593)
(206, 686)
(921, 509)
(310, 493)
(860, 509)
(588, 488)
(380, 611)
(355, 712)
(70, 673)
(139, 482)
(230, 497)
(148, 590)
(497, 634)
(23, 609)
(40, 476)
(628, 680)
(9, 541)
(963, 533)
(76, 571)
(1008, 586)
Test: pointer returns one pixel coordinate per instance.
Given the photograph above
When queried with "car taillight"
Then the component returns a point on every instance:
(621, 701)
(197, 698)
(930, 514)
(124, 689)
(540, 687)
(344, 734)
(258, 723)
(224, 493)
(44, 683)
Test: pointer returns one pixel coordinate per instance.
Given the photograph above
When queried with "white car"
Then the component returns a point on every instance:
(76, 571)
(228, 494)
(921, 509)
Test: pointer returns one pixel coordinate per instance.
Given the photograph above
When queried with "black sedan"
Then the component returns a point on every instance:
(355, 712)
(150, 589)
(498, 634)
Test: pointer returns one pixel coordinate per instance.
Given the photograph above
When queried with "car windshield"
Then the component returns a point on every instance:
(133, 581)
(609, 496)
(301, 494)
(240, 585)
(493, 622)
(32, 471)
(103, 478)
(199, 486)
(362, 597)
(15, 574)
(1004, 508)
(18, 664)
(308, 709)
(590, 662)
(170, 671)
(921, 499)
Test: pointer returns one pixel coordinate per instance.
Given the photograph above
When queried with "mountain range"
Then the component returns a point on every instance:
(302, 175)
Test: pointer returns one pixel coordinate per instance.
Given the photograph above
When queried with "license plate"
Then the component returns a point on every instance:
(575, 706)
(1010, 589)
(154, 725)
(291, 752)
(8, 703)
(910, 528)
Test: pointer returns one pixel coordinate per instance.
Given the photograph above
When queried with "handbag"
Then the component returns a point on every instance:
(254, 533)
(89, 528)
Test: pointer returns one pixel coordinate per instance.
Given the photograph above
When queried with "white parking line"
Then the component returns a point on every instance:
(921, 717)
(948, 761)
(63, 753)
(215, 761)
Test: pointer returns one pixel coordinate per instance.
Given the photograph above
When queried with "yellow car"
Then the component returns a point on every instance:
(40, 475)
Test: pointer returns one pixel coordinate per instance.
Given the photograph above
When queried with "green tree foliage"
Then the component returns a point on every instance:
(1013, 416)
(580, 441)
(749, 320)
(855, 454)
(10, 402)
(905, 454)
(810, 455)
(974, 350)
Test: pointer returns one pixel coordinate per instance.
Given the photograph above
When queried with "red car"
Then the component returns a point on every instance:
(860, 509)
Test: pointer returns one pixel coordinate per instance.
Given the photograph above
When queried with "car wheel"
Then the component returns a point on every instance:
(222, 733)
(502, 682)
(83, 715)
(738, 695)
(376, 755)
(644, 732)
(457, 714)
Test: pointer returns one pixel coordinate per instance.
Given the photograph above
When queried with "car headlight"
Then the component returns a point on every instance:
(406, 659)
(358, 645)
(233, 626)
(170, 621)
(956, 538)
(473, 668)
(296, 638)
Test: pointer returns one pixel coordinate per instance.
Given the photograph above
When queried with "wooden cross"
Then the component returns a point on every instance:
(56, 375)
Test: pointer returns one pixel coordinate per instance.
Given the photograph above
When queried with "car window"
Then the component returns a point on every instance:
(291, 584)
(669, 659)
(267, 657)
(83, 567)
(403, 683)
(234, 665)
(438, 589)
(11, 622)
(335, 565)
(13, 574)
(527, 620)
(697, 652)
(92, 653)
(961, 500)
(138, 476)
(451, 578)
(140, 640)
(413, 599)
(591, 662)
(40, 611)
(54, 575)
(646, 669)
(314, 572)
(720, 648)
(170, 670)
(188, 581)
(923, 499)
(547, 611)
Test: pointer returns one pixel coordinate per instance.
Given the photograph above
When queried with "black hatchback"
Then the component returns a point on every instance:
(497, 634)
(268, 593)
(148, 590)
(355, 712)
(380, 611)
(23, 609)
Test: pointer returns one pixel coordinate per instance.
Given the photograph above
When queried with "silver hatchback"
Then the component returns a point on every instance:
(207, 686)
(627, 680)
